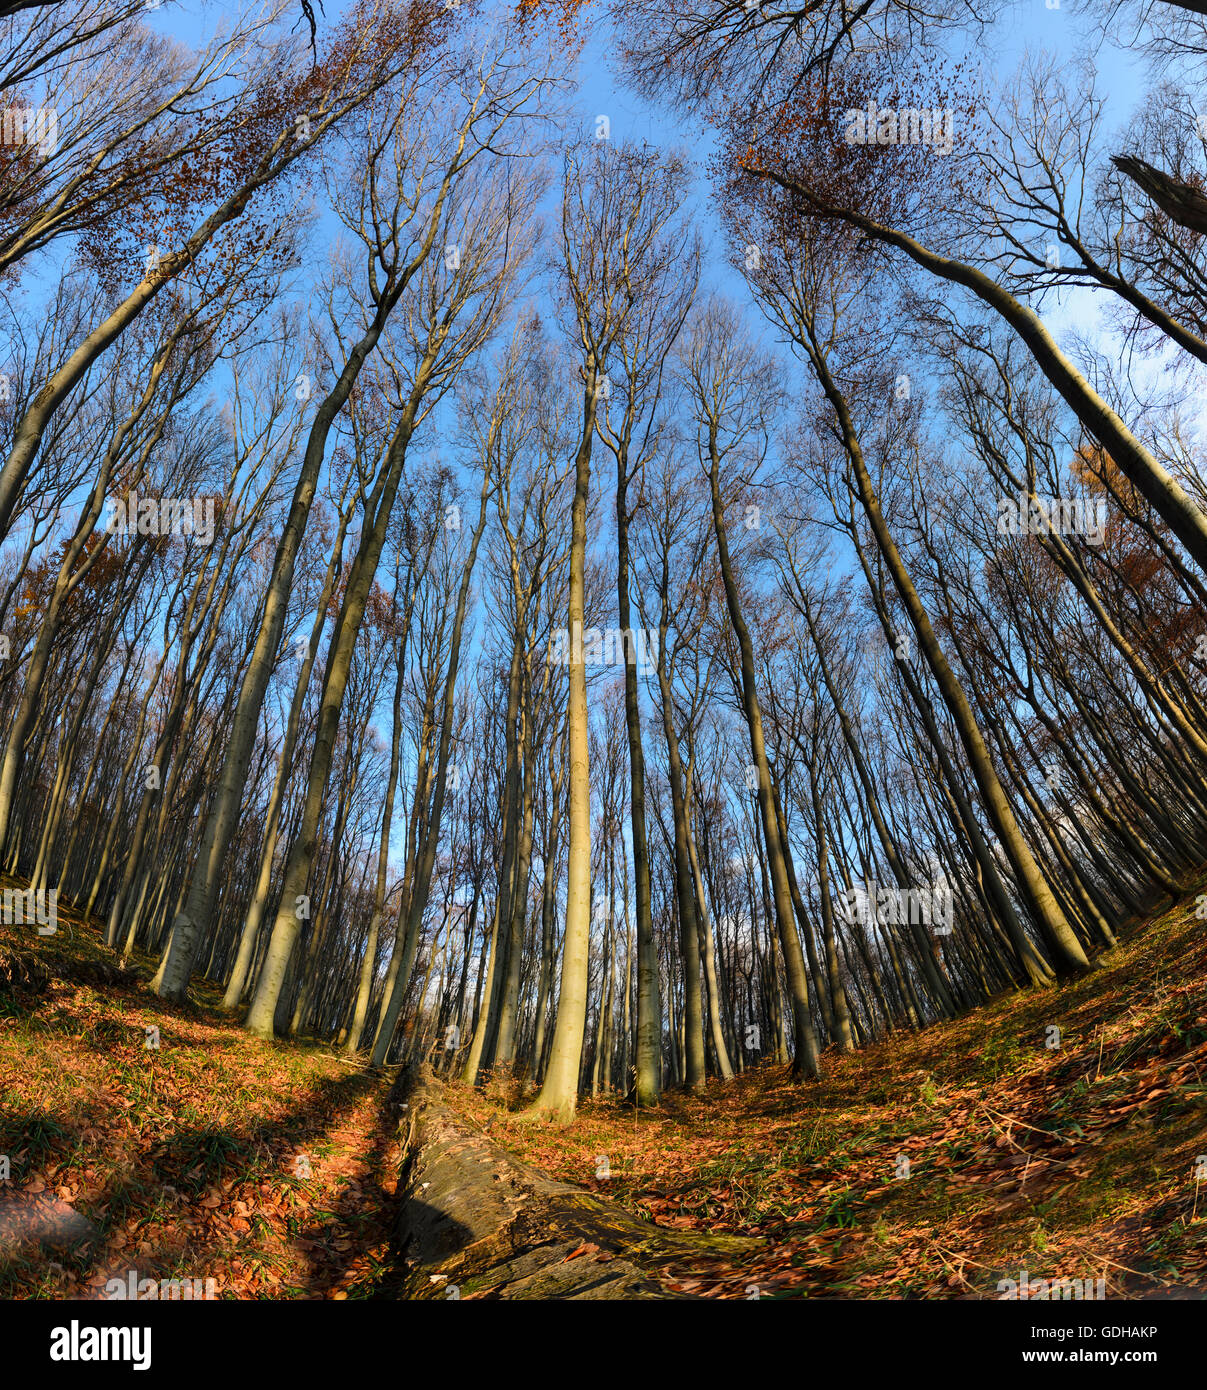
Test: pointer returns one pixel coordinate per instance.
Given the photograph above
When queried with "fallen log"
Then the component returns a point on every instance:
(477, 1222)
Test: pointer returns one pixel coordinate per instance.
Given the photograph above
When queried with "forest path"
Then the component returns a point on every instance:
(1054, 1131)
(192, 1149)
(475, 1221)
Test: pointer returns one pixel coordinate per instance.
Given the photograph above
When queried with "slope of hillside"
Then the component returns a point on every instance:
(932, 1165)
(269, 1170)
(936, 1165)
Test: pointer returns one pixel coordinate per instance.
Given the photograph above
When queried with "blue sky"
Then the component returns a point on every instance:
(1035, 25)
(1031, 25)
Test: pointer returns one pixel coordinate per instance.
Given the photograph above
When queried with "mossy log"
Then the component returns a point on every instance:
(476, 1222)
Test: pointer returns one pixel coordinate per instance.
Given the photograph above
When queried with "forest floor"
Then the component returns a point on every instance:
(1074, 1162)
(270, 1169)
(273, 1169)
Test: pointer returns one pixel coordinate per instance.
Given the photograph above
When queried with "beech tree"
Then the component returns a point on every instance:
(870, 686)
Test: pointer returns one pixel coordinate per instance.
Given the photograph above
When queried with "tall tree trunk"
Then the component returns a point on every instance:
(806, 1060)
(558, 1097)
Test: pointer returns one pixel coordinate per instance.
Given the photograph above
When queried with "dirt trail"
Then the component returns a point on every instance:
(476, 1222)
